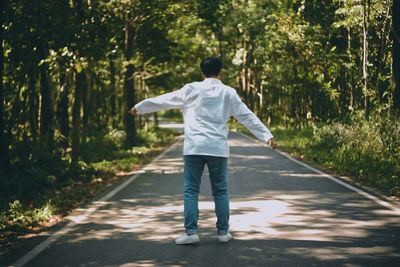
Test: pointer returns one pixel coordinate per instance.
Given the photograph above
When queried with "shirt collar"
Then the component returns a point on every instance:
(212, 80)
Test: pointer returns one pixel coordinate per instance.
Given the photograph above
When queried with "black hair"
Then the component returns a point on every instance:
(211, 66)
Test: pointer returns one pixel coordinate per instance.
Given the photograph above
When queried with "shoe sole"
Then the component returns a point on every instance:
(225, 241)
(188, 242)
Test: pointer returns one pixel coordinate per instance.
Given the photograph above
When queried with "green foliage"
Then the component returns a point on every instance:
(365, 149)
(368, 150)
(155, 136)
(55, 189)
(107, 151)
(19, 217)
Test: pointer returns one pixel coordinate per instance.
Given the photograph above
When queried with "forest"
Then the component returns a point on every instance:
(324, 75)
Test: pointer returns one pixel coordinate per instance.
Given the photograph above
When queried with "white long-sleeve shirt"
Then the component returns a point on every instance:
(206, 108)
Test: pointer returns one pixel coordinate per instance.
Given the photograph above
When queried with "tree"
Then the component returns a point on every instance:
(129, 90)
(396, 55)
(4, 162)
(366, 11)
(80, 83)
(212, 13)
(79, 80)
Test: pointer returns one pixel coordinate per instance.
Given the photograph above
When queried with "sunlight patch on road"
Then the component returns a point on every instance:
(291, 217)
(298, 216)
(167, 166)
(150, 263)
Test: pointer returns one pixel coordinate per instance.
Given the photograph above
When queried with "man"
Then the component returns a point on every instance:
(206, 108)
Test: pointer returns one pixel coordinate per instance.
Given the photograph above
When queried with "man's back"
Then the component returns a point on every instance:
(206, 110)
(206, 107)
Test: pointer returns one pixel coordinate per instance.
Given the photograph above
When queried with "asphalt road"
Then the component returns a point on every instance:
(282, 214)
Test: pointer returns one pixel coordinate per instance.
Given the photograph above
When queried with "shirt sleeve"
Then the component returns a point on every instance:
(173, 100)
(246, 117)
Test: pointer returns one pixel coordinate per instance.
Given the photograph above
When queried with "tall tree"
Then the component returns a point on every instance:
(79, 82)
(396, 55)
(129, 89)
(365, 13)
(46, 105)
(210, 12)
(4, 162)
(63, 117)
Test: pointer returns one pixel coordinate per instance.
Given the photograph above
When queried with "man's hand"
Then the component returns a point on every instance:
(272, 143)
(133, 111)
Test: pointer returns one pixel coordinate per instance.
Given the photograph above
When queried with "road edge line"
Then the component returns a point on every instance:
(336, 180)
(75, 220)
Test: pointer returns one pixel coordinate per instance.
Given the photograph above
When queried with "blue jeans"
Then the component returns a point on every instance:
(218, 167)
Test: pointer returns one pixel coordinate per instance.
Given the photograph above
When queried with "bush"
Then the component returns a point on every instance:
(367, 149)
(20, 217)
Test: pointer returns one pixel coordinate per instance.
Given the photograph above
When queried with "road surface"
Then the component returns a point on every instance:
(282, 214)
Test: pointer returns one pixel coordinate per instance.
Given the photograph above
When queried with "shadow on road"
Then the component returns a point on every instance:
(282, 214)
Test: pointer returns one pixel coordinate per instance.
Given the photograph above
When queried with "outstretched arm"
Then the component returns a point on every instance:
(162, 102)
(246, 117)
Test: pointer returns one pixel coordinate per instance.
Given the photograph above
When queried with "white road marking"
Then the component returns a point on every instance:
(361, 192)
(75, 220)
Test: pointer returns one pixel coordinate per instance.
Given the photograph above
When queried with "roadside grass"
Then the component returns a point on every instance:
(366, 151)
(104, 160)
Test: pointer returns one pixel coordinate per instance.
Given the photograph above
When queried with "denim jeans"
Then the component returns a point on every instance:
(218, 167)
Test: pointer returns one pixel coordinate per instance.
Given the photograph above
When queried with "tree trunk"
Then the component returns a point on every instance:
(46, 105)
(155, 119)
(63, 117)
(86, 106)
(350, 77)
(396, 55)
(220, 38)
(4, 159)
(79, 81)
(244, 72)
(342, 86)
(129, 89)
(33, 104)
(365, 56)
(113, 93)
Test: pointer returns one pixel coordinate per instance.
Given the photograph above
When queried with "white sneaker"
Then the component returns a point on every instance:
(225, 238)
(187, 239)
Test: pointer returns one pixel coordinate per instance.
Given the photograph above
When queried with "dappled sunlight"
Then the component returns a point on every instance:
(298, 217)
(276, 213)
(167, 166)
(273, 219)
(289, 217)
(151, 263)
(305, 175)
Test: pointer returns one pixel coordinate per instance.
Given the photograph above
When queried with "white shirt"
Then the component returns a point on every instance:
(206, 108)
